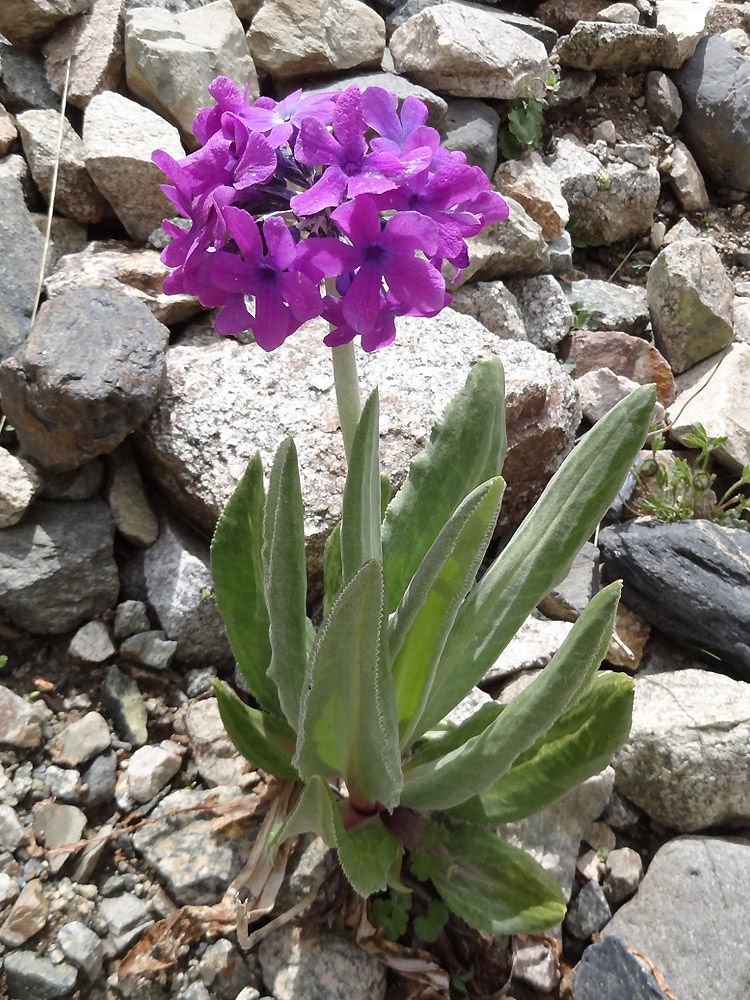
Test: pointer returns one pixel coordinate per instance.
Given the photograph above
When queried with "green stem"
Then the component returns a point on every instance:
(347, 392)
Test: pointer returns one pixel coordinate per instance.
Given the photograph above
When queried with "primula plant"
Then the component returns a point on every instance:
(346, 206)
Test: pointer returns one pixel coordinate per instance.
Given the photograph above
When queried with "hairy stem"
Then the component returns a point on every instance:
(347, 392)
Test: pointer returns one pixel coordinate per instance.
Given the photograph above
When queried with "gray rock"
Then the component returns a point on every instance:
(119, 137)
(681, 25)
(57, 568)
(573, 86)
(619, 13)
(546, 314)
(714, 85)
(531, 648)
(195, 863)
(608, 969)
(63, 783)
(91, 644)
(624, 874)
(323, 967)
(531, 25)
(691, 579)
(493, 305)
(11, 830)
(69, 403)
(21, 248)
(124, 703)
(27, 916)
(8, 889)
(131, 617)
(82, 947)
(684, 763)
(224, 971)
(8, 130)
(514, 246)
(150, 769)
(561, 254)
(686, 179)
(19, 724)
(56, 825)
(19, 484)
(99, 780)
(611, 48)
(688, 914)
(663, 100)
(133, 515)
(23, 84)
(637, 153)
(610, 307)
(471, 126)
(124, 913)
(33, 978)
(84, 739)
(601, 389)
(397, 85)
(150, 649)
(93, 43)
(78, 484)
(24, 23)
(567, 601)
(588, 912)
(537, 189)
(215, 756)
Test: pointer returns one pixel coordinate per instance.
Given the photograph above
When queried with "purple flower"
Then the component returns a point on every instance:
(228, 99)
(279, 121)
(380, 111)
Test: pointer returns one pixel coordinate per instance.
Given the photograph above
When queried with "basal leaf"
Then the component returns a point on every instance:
(474, 767)
(265, 740)
(455, 736)
(540, 553)
(494, 887)
(579, 745)
(467, 447)
(333, 574)
(367, 853)
(286, 579)
(348, 726)
(237, 570)
(417, 630)
(360, 517)
(313, 813)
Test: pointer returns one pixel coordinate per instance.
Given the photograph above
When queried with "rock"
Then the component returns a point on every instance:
(561, 254)
(632, 357)
(78, 484)
(610, 307)
(663, 100)
(624, 874)
(56, 825)
(567, 601)
(493, 305)
(27, 917)
(8, 889)
(21, 248)
(122, 698)
(588, 912)
(687, 914)
(69, 403)
(224, 971)
(75, 193)
(215, 756)
(91, 644)
(514, 246)
(609, 204)
(532, 647)
(687, 775)
(93, 43)
(682, 230)
(468, 706)
(8, 131)
(537, 189)
(99, 780)
(535, 964)
(714, 85)
(690, 299)
(290, 38)
(553, 836)
(471, 126)
(531, 25)
(119, 137)
(682, 25)
(19, 484)
(468, 52)
(686, 179)
(609, 969)
(637, 153)
(546, 314)
(170, 59)
(127, 917)
(605, 132)
(195, 863)
(19, 725)
(742, 319)
(12, 834)
(33, 978)
(600, 390)
(619, 13)
(150, 769)
(63, 783)
(133, 515)
(398, 85)
(611, 48)
(135, 271)
(25, 22)
(57, 568)
(82, 947)
(66, 236)
(131, 617)
(84, 739)
(319, 967)
(574, 85)
(631, 634)
(150, 649)
(738, 38)
(23, 84)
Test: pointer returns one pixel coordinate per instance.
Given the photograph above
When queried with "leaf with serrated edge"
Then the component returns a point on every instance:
(265, 740)
(313, 813)
(286, 579)
(580, 744)
(494, 887)
(540, 553)
(455, 736)
(333, 575)
(466, 448)
(417, 630)
(368, 853)
(348, 727)
(360, 514)
(474, 767)
(237, 571)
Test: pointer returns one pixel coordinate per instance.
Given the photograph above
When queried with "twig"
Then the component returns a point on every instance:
(668, 427)
(624, 260)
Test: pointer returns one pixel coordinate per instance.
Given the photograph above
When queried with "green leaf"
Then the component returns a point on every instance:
(472, 768)
(418, 628)
(313, 813)
(360, 514)
(265, 740)
(348, 727)
(579, 745)
(237, 570)
(430, 925)
(367, 853)
(540, 553)
(333, 574)
(466, 448)
(455, 736)
(391, 913)
(286, 579)
(496, 888)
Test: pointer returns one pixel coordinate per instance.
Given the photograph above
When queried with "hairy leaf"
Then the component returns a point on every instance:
(367, 853)
(360, 517)
(265, 740)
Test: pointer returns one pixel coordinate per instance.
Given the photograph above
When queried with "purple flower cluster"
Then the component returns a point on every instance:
(340, 205)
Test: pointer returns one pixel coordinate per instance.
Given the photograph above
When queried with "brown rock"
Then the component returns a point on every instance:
(8, 131)
(534, 186)
(27, 916)
(19, 724)
(94, 41)
(24, 22)
(632, 357)
(633, 633)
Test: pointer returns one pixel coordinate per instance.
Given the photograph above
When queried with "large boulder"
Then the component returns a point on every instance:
(21, 249)
(92, 42)
(25, 22)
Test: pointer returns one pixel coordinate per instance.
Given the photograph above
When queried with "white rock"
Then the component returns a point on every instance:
(537, 188)
(19, 722)
(82, 947)
(624, 871)
(683, 24)
(738, 38)
(289, 38)
(170, 59)
(687, 180)
(533, 646)
(619, 13)
(493, 305)
(19, 484)
(84, 739)
(216, 758)
(515, 245)
(468, 52)
(24, 22)
(742, 319)
(547, 317)
(149, 770)
(600, 390)
(119, 137)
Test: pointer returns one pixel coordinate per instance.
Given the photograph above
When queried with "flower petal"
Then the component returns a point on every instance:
(416, 283)
(359, 220)
(273, 320)
(409, 231)
(315, 145)
(362, 303)
(325, 193)
(244, 231)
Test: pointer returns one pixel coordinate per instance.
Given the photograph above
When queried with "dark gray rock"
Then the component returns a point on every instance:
(690, 579)
(21, 248)
(150, 649)
(33, 978)
(124, 702)
(611, 48)
(131, 617)
(471, 127)
(78, 484)
(23, 84)
(89, 374)
(663, 100)
(224, 971)
(609, 970)
(714, 85)
(99, 780)
(588, 912)
(57, 568)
